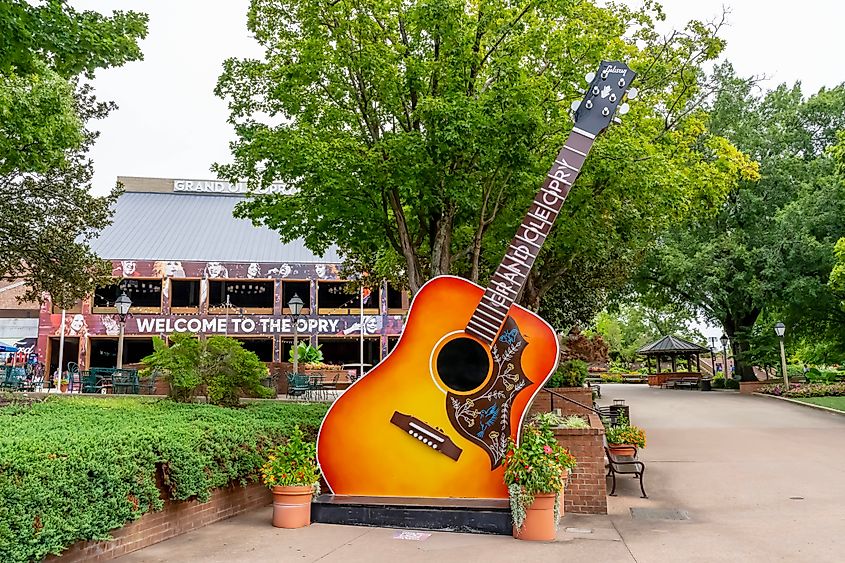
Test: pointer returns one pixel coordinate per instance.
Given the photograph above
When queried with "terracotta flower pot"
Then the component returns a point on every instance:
(292, 506)
(539, 522)
(622, 449)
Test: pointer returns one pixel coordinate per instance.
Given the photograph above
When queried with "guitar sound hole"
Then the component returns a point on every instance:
(462, 364)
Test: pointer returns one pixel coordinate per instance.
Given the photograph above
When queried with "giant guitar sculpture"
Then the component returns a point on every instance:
(433, 419)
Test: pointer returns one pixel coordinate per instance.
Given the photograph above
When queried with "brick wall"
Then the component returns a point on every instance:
(587, 489)
(748, 387)
(176, 518)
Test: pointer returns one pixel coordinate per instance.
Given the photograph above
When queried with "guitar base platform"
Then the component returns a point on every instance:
(479, 516)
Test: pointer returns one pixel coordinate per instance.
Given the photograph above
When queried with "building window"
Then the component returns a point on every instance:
(347, 350)
(104, 352)
(333, 298)
(263, 347)
(184, 294)
(394, 299)
(104, 297)
(248, 296)
(300, 288)
(144, 293)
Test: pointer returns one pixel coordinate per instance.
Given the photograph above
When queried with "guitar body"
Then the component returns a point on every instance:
(363, 450)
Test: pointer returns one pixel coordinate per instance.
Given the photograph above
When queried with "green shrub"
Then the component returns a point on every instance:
(731, 384)
(178, 363)
(718, 382)
(220, 362)
(611, 378)
(75, 468)
(230, 372)
(571, 373)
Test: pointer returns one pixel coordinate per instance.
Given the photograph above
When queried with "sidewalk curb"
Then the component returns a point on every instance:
(803, 404)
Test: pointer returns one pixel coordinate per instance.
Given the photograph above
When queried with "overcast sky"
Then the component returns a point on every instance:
(169, 123)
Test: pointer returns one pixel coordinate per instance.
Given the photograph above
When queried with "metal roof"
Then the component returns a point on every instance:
(671, 345)
(167, 226)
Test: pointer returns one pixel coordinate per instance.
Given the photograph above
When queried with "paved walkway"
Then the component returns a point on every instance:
(758, 479)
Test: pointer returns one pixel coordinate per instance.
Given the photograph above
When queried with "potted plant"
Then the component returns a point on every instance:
(292, 474)
(310, 358)
(63, 385)
(535, 473)
(624, 438)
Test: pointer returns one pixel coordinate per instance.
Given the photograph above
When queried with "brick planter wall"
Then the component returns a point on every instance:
(587, 489)
(174, 519)
(546, 402)
(749, 387)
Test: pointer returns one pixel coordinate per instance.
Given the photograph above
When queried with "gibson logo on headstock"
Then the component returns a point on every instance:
(610, 69)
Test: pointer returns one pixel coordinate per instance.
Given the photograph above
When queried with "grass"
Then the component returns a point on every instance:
(837, 403)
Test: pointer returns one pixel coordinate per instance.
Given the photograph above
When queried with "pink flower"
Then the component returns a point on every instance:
(547, 449)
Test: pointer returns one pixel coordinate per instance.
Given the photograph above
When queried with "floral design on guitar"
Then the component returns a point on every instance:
(484, 416)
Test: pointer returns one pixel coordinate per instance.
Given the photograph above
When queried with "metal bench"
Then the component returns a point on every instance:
(624, 465)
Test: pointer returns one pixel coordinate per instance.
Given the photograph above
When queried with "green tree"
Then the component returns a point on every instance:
(769, 249)
(628, 327)
(417, 133)
(45, 176)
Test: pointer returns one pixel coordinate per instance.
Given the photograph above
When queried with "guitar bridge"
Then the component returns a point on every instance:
(431, 437)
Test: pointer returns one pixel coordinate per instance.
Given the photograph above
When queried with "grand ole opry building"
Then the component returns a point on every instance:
(189, 265)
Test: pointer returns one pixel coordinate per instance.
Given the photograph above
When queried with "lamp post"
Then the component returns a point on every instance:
(724, 340)
(122, 304)
(780, 329)
(713, 355)
(295, 305)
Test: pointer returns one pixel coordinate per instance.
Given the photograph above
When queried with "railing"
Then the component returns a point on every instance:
(573, 401)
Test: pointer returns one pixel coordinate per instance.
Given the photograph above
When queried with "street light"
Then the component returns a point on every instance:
(122, 304)
(713, 355)
(724, 340)
(780, 329)
(295, 305)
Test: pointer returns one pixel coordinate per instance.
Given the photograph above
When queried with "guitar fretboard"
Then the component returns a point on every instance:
(510, 276)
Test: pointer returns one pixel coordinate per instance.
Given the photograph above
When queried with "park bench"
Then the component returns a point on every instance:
(633, 378)
(624, 465)
(682, 383)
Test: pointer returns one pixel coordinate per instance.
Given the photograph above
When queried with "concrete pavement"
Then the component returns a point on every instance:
(751, 479)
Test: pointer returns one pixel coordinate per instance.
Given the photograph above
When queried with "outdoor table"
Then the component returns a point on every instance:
(315, 383)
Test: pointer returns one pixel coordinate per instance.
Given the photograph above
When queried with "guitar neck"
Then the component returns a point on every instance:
(508, 280)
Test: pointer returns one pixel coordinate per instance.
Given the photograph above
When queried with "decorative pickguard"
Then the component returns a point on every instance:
(484, 417)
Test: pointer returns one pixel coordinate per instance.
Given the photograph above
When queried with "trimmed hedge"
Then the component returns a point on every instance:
(75, 468)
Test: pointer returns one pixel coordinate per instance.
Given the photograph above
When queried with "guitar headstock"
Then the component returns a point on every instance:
(604, 96)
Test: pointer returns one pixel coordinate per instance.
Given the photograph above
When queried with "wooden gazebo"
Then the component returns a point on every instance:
(672, 347)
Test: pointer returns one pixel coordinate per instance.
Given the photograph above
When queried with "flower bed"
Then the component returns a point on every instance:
(803, 390)
(75, 468)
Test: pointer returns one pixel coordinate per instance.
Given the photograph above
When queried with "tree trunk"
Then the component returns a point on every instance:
(531, 293)
(736, 328)
(415, 277)
(441, 244)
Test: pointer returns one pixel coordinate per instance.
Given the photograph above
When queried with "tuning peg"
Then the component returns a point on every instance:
(632, 93)
(589, 76)
(575, 105)
(624, 108)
